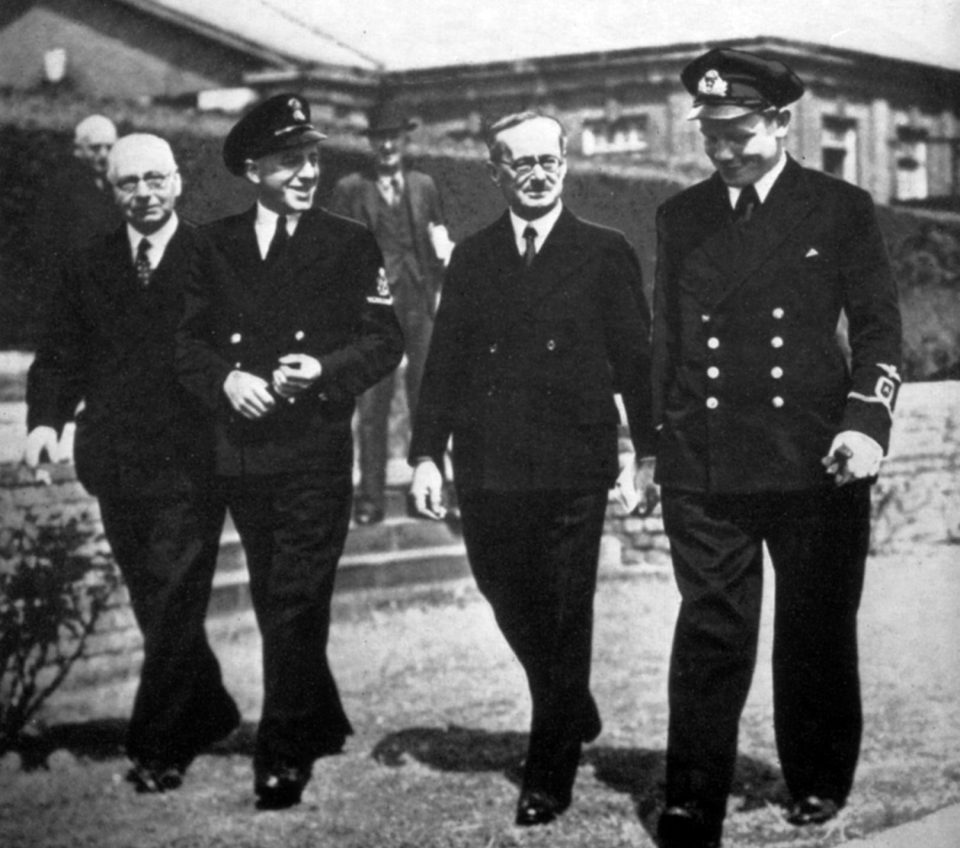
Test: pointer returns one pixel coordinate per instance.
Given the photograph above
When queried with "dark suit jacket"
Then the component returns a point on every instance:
(524, 363)
(357, 197)
(751, 383)
(110, 344)
(326, 297)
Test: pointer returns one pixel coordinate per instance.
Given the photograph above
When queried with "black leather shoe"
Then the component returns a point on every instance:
(281, 786)
(812, 810)
(365, 512)
(536, 808)
(154, 776)
(687, 827)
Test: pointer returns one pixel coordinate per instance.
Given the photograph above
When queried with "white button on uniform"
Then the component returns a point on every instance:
(778, 401)
(551, 345)
(235, 338)
(712, 403)
(778, 313)
(705, 318)
(776, 372)
(493, 348)
(713, 372)
(299, 335)
(713, 343)
(776, 341)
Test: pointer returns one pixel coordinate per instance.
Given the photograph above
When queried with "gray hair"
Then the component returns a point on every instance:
(493, 131)
(139, 143)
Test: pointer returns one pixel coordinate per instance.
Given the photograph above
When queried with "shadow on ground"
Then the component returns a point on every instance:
(637, 772)
(104, 739)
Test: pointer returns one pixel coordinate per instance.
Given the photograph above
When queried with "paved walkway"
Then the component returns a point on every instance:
(939, 830)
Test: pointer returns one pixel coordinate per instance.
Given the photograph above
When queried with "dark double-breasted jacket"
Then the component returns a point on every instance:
(751, 383)
(524, 363)
(327, 297)
(110, 343)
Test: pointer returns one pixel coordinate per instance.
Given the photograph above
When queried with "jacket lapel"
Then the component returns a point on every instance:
(785, 209)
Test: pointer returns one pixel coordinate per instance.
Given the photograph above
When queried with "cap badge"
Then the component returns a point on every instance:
(296, 109)
(713, 85)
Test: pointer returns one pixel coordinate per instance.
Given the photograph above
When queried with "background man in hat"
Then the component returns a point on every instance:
(278, 345)
(402, 209)
(767, 436)
(542, 320)
(144, 447)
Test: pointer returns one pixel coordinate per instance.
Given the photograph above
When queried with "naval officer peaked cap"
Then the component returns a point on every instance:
(277, 123)
(727, 84)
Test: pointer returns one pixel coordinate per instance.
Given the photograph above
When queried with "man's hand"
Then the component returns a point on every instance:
(852, 456)
(41, 440)
(635, 488)
(297, 372)
(248, 394)
(427, 489)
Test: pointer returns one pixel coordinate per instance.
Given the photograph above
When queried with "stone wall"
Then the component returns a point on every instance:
(916, 503)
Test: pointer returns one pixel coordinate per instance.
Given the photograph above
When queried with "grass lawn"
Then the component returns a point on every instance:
(440, 709)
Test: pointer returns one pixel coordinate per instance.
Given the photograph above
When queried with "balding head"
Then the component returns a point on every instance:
(92, 140)
(143, 172)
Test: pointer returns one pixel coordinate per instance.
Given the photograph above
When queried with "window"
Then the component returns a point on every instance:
(910, 156)
(627, 134)
(839, 146)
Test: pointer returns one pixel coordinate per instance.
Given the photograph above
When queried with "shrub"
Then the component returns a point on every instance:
(54, 584)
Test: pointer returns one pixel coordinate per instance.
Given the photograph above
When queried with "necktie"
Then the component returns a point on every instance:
(142, 263)
(396, 191)
(279, 240)
(530, 238)
(747, 203)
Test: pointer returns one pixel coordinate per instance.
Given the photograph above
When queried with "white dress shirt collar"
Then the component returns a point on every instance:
(265, 226)
(158, 240)
(763, 185)
(543, 225)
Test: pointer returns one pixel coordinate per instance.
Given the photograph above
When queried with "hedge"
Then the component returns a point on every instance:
(35, 136)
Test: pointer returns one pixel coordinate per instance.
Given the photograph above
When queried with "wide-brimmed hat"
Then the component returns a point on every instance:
(727, 84)
(277, 123)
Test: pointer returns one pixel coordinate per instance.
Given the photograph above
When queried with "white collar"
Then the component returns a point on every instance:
(158, 240)
(265, 226)
(763, 185)
(267, 219)
(543, 225)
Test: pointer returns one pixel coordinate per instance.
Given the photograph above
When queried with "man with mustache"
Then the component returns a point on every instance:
(542, 321)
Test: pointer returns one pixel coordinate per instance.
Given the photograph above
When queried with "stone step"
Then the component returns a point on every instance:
(400, 550)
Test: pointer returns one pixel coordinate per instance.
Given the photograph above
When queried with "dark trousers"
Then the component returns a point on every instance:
(166, 549)
(534, 556)
(818, 542)
(293, 528)
(373, 406)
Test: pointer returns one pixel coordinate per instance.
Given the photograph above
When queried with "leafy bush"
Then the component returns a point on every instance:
(54, 585)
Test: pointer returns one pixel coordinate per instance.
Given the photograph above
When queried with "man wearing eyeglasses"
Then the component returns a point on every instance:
(144, 447)
(542, 321)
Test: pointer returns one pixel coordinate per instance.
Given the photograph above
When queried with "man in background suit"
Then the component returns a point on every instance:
(77, 205)
(768, 436)
(402, 208)
(542, 321)
(144, 447)
(278, 345)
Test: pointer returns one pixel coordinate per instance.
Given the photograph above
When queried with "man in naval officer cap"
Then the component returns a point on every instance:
(298, 324)
(767, 435)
